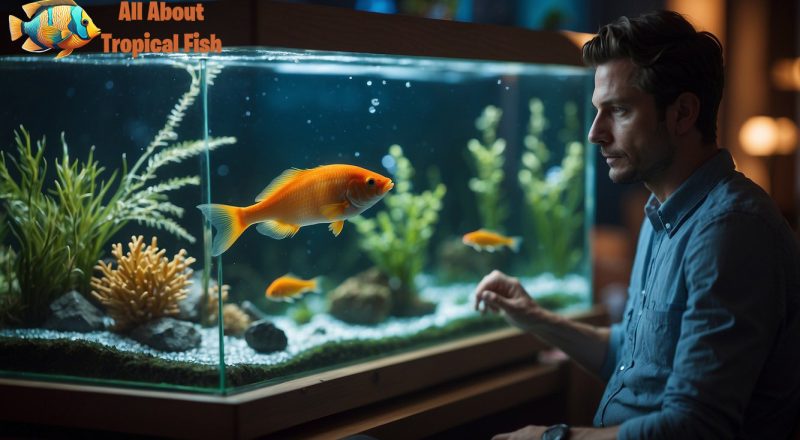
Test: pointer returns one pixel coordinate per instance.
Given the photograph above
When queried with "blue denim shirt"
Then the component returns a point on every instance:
(709, 345)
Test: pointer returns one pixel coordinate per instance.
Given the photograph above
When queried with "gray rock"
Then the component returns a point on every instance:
(363, 299)
(74, 313)
(263, 337)
(167, 334)
(190, 306)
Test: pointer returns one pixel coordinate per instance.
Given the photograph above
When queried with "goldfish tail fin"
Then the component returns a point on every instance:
(15, 27)
(515, 242)
(227, 220)
(317, 284)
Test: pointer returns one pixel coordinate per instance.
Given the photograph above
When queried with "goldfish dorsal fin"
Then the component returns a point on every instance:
(31, 9)
(30, 46)
(277, 230)
(278, 182)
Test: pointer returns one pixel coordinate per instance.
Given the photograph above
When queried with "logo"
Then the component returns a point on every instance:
(54, 24)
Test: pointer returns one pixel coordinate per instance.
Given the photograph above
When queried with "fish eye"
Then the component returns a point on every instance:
(370, 181)
(85, 22)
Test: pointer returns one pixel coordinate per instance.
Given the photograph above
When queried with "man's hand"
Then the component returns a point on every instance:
(498, 292)
(529, 432)
(532, 432)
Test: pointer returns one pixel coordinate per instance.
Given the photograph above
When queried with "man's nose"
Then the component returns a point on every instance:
(598, 134)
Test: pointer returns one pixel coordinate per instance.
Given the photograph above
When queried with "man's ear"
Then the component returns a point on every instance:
(687, 109)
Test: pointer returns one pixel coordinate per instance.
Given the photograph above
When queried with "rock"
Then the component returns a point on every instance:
(189, 307)
(167, 334)
(72, 312)
(458, 262)
(263, 337)
(363, 299)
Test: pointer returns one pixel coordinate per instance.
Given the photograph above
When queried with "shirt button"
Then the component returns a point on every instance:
(621, 367)
(668, 226)
(643, 293)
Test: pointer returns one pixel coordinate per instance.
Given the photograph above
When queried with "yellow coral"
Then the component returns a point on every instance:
(234, 320)
(144, 286)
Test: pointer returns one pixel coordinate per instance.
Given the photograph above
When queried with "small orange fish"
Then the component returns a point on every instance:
(54, 24)
(485, 240)
(325, 194)
(287, 288)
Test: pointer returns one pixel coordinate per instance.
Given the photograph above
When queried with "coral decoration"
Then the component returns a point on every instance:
(234, 320)
(144, 286)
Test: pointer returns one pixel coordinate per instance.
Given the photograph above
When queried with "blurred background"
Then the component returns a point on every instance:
(758, 120)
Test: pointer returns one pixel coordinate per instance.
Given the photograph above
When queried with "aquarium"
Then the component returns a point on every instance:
(217, 223)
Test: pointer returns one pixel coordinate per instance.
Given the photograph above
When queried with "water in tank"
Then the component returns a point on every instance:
(331, 208)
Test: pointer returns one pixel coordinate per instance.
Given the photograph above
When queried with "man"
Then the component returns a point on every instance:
(709, 345)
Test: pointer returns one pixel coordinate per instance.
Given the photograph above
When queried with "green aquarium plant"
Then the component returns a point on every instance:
(553, 192)
(10, 303)
(60, 232)
(397, 238)
(487, 154)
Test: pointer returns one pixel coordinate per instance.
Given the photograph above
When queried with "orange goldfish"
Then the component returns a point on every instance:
(325, 194)
(485, 240)
(54, 24)
(287, 287)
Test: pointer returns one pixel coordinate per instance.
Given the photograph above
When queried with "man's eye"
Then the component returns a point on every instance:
(618, 110)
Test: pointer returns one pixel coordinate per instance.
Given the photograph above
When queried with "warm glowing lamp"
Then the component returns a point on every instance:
(786, 73)
(578, 38)
(787, 136)
(759, 136)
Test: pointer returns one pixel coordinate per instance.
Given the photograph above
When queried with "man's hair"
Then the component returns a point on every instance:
(671, 58)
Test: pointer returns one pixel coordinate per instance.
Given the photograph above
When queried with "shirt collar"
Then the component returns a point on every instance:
(668, 216)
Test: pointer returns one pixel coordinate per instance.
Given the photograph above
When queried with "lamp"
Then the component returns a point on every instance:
(767, 136)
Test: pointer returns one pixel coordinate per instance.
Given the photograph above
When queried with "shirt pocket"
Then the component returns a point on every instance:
(658, 336)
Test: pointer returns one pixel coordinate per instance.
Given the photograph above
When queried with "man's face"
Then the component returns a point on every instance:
(635, 144)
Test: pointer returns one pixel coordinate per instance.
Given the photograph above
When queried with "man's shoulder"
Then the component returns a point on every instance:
(736, 196)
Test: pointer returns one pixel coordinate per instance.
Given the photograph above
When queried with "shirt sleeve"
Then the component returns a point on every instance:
(734, 309)
(612, 355)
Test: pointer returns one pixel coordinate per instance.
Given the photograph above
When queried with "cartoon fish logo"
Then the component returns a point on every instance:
(289, 287)
(296, 198)
(485, 240)
(54, 24)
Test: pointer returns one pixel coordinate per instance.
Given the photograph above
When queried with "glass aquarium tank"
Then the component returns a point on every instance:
(222, 222)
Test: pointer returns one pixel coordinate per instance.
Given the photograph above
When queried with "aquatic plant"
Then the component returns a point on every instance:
(10, 302)
(145, 285)
(60, 232)
(489, 160)
(301, 314)
(553, 193)
(397, 238)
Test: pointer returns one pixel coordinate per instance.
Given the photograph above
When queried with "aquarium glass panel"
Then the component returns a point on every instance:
(332, 208)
